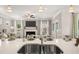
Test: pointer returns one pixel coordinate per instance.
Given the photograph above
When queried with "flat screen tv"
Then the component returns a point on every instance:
(30, 23)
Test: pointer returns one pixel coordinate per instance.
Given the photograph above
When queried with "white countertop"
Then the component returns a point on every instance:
(35, 41)
(11, 47)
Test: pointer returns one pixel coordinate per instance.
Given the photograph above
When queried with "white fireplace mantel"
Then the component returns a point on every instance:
(30, 30)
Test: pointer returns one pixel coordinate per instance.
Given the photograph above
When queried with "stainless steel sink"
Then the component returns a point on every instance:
(51, 49)
(40, 49)
(30, 49)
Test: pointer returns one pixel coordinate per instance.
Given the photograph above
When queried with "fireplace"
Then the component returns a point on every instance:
(30, 33)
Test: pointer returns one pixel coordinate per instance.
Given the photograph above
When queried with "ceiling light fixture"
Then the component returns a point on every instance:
(71, 8)
(41, 9)
(9, 9)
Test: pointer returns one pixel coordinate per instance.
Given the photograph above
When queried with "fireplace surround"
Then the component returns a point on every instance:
(30, 33)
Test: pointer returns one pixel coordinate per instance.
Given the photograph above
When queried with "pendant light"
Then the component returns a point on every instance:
(71, 8)
(9, 9)
(41, 9)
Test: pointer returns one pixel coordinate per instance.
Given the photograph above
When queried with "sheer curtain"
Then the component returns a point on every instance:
(75, 29)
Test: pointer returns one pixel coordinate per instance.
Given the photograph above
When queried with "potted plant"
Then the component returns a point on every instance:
(11, 37)
(67, 38)
(18, 26)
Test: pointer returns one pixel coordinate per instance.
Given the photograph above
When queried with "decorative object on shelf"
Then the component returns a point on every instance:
(49, 38)
(30, 37)
(67, 38)
(32, 16)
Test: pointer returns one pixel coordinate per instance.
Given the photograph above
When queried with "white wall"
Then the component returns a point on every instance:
(66, 21)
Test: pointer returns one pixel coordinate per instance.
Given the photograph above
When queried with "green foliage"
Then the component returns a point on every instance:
(11, 37)
(18, 25)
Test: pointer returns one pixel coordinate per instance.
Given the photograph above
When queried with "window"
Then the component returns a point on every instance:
(56, 26)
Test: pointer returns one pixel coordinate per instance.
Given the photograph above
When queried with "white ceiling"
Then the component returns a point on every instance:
(19, 10)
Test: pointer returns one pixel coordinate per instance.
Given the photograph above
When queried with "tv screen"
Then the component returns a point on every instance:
(30, 23)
